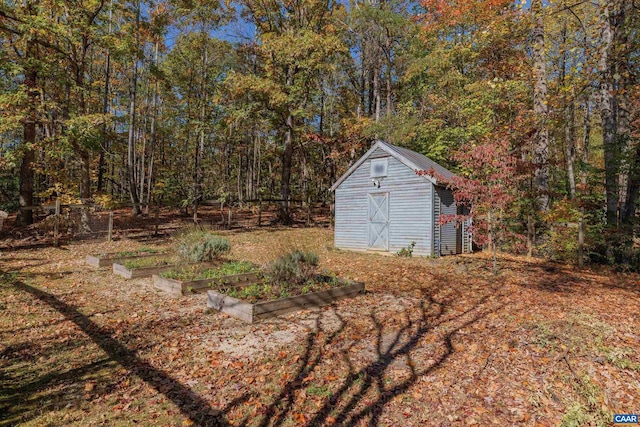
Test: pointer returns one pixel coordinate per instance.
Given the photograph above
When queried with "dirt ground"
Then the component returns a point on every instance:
(432, 342)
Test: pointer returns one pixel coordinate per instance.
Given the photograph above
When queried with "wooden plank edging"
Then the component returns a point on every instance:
(231, 306)
(136, 273)
(263, 310)
(180, 287)
(106, 261)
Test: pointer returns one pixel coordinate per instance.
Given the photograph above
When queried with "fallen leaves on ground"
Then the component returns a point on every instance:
(431, 342)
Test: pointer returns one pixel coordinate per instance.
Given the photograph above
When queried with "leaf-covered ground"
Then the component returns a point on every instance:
(432, 342)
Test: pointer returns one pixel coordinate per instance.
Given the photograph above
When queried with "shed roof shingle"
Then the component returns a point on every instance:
(421, 161)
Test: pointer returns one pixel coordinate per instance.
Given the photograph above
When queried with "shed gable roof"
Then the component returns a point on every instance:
(411, 159)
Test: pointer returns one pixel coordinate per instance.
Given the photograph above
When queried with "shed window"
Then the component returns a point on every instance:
(379, 168)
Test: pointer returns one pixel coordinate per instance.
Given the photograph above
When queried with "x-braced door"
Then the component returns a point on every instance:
(379, 221)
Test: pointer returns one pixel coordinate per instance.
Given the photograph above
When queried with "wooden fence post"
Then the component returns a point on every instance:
(581, 240)
(110, 227)
(56, 223)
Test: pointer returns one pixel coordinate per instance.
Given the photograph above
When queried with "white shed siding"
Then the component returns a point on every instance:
(409, 207)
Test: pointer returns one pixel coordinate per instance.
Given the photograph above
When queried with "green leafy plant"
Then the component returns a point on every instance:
(189, 273)
(295, 267)
(408, 251)
(269, 291)
(151, 261)
(141, 251)
(198, 245)
(318, 390)
(587, 409)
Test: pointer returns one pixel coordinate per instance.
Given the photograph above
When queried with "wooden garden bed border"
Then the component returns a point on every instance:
(108, 261)
(136, 273)
(181, 287)
(263, 310)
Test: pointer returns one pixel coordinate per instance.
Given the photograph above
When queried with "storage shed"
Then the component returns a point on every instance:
(381, 204)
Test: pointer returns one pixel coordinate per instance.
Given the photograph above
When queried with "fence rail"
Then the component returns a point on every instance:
(77, 221)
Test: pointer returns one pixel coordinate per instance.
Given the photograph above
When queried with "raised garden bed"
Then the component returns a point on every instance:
(107, 260)
(198, 279)
(147, 266)
(254, 308)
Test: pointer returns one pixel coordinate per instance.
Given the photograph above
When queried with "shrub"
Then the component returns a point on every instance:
(408, 251)
(295, 267)
(197, 245)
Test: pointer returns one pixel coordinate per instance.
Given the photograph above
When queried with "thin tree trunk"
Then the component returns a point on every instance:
(131, 167)
(25, 217)
(153, 132)
(628, 179)
(363, 84)
(105, 108)
(239, 179)
(370, 93)
(586, 131)
(200, 146)
(143, 136)
(569, 117)
(85, 175)
(608, 116)
(376, 92)
(287, 157)
(258, 174)
(570, 147)
(540, 108)
(389, 67)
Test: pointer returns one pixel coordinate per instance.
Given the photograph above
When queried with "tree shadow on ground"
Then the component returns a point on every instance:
(547, 276)
(190, 404)
(363, 393)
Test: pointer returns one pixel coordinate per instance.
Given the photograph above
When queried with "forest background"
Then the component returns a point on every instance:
(535, 105)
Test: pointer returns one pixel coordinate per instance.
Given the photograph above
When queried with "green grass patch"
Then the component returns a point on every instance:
(191, 273)
(152, 261)
(587, 408)
(319, 391)
(618, 357)
(131, 253)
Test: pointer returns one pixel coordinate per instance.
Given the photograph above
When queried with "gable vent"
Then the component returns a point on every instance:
(379, 168)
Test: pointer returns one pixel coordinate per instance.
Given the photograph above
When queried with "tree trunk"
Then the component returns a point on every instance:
(376, 92)
(607, 115)
(153, 132)
(197, 190)
(628, 179)
(585, 140)
(131, 166)
(570, 147)
(287, 157)
(85, 175)
(540, 108)
(25, 217)
(569, 118)
(105, 108)
(389, 67)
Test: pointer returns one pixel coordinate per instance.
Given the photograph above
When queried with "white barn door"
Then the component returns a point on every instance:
(378, 222)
